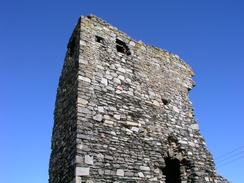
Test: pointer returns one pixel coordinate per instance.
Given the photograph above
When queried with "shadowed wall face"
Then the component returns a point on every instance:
(123, 113)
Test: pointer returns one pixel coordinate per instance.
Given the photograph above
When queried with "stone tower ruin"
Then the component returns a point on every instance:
(123, 113)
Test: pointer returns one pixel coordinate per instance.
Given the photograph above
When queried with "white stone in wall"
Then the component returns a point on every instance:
(82, 171)
(88, 160)
(132, 123)
(108, 76)
(84, 110)
(106, 117)
(98, 117)
(104, 81)
(82, 101)
(117, 116)
(157, 171)
(113, 133)
(128, 80)
(145, 168)
(195, 126)
(132, 43)
(156, 103)
(100, 157)
(151, 93)
(176, 109)
(130, 93)
(121, 69)
(120, 172)
(207, 179)
(191, 144)
(84, 79)
(78, 159)
(100, 67)
(82, 43)
(140, 174)
(121, 77)
(100, 109)
(109, 122)
(183, 142)
(81, 61)
(116, 80)
(128, 131)
(153, 179)
(112, 108)
(135, 129)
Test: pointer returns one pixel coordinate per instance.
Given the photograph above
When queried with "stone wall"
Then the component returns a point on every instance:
(123, 113)
(62, 159)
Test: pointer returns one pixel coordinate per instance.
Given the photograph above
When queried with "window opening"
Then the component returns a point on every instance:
(122, 47)
(165, 101)
(99, 39)
(71, 48)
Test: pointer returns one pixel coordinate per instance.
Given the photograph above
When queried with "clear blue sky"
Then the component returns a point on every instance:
(207, 34)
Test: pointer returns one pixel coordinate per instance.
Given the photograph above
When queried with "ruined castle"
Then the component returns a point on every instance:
(123, 113)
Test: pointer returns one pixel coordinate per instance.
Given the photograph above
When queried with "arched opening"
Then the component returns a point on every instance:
(172, 170)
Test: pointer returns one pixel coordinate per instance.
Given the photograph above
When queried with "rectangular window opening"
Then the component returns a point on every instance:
(71, 47)
(122, 47)
(99, 39)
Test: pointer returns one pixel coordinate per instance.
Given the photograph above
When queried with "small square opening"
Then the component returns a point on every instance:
(122, 47)
(165, 101)
(99, 39)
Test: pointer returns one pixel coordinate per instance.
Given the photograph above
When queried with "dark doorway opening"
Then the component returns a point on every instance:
(172, 171)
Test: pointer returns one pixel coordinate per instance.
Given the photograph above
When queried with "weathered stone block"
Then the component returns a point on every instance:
(145, 168)
(82, 171)
(82, 78)
(120, 172)
(88, 160)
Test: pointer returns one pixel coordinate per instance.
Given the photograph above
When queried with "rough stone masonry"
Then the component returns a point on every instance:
(123, 113)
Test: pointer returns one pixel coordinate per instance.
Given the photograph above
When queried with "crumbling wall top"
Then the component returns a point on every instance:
(92, 20)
